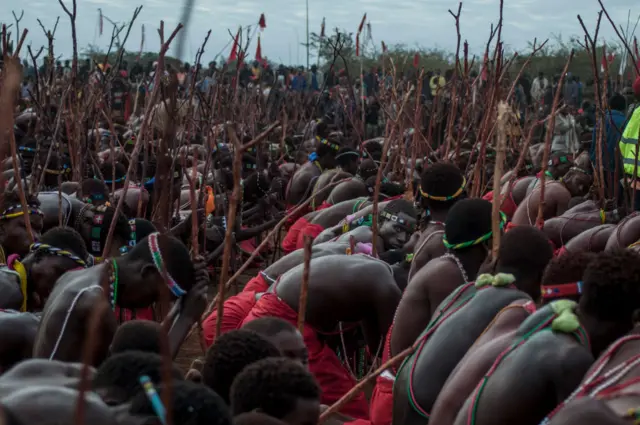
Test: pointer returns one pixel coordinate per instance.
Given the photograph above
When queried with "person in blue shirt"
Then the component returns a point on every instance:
(614, 121)
(299, 83)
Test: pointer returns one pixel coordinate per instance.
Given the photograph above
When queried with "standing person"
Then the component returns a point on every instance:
(572, 98)
(613, 127)
(66, 70)
(629, 145)
(299, 83)
(436, 83)
(315, 79)
(580, 90)
(84, 70)
(565, 138)
(539, 87)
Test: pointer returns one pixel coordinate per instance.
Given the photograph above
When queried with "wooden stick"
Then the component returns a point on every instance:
(231, 221)
(304, 290)
(360, 385)
(547, 142)
(11, 83)
(504, 118)
(142, 133)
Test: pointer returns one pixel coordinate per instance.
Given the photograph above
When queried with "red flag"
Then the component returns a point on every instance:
(234, 48)
(416, 60)
(101, 21)
(259, 50)
(322, 29)
(262, 22)
(384, 47)
(603, 62)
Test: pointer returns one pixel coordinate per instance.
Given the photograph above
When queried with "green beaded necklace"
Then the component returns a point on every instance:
(113, 284)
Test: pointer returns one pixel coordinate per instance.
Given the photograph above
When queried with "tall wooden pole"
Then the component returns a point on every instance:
(307, 34)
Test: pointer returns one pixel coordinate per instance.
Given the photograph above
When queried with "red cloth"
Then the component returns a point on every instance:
(304, 211)
(381, 410)
(310, 229)
(290, 241)
(508, 206)
(510, 226)
(256, 284)
(331, 375)
(323, 206)
(560, 251)
(140, 314)
(235, 310)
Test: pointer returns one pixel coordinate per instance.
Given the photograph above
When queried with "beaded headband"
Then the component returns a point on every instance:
(561, 291)
(52, 250)
(328, 143)
(486, 236)
(154, 247)
(96, 231)
(26, 149)
(396, 219)
(154, 398)
(9, 213)
(65, 170)
(118, 180)
(134, 237)
(354, 153)
(564, 159)
(445, 198)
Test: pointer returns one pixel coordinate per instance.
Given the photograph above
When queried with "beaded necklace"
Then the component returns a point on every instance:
(52, 250)
(11, 212)
(445, 198)
(154, 247)
(467, 244)
(113, 285)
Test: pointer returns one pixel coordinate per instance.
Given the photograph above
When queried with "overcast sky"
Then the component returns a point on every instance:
(413, 22)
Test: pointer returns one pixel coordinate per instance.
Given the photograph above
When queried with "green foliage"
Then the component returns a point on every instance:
(551, 59)
(95, 53)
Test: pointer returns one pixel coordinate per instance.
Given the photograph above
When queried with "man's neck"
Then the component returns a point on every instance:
(601, 334)
(471, 260)
(440, 215)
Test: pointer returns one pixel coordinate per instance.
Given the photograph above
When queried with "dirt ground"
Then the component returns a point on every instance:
(191, 348)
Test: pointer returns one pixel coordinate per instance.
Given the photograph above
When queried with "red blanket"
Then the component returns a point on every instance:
(323, 206)
(508, 206)
(290, 241)
(235, 310)
(312, 230)
(256, 284)
(333, 378)
(138, 314)
(381, 410)
(304, 211)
